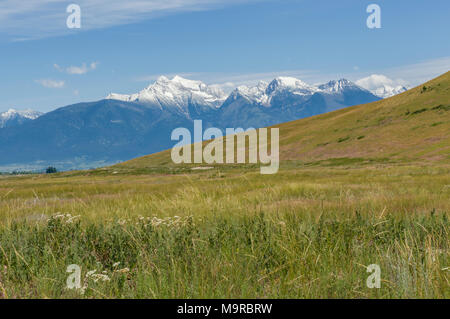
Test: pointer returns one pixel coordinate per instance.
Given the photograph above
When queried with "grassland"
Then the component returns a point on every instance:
(151, 229)
(306, 232)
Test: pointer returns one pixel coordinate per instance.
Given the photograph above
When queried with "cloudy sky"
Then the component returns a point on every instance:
(122, 46)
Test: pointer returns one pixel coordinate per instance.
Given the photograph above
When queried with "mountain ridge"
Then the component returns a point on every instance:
(14, 117)
(164, 88)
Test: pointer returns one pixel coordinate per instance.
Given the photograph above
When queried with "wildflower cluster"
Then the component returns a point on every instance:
(172, 222)
(93, 276)
(64, 218)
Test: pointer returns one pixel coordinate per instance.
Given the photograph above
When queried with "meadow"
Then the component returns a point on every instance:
(309, 231)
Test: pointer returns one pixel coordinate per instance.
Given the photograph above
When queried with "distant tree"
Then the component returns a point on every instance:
(50, 170)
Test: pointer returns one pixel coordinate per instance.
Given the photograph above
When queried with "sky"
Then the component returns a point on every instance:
(123, 46)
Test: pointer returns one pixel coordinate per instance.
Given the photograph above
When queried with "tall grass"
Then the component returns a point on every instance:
(259, 256)
(302, 233)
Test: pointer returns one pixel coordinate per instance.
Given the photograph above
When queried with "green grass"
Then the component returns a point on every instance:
(306, 232)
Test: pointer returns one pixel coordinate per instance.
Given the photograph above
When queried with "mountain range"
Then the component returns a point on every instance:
(121, 127)
(281, 100)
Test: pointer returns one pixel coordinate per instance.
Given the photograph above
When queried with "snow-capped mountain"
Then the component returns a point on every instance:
(251, 93)
(287, 98)
(264, 93)
(283, 88)
(338, 86)
(381, 85)
(179, 93)
(387, 91)
(176, 93)
(267, 103)
(14, 117)
(296, 86)
(121, 127)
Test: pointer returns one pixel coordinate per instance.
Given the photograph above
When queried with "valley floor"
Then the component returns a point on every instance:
(306, 232)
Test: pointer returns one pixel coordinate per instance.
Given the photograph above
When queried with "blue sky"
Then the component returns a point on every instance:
(123, 46)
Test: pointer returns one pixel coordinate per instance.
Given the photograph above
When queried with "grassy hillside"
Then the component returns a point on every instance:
(412, 126)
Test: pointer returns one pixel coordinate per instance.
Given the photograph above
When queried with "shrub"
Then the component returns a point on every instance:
(50, 170)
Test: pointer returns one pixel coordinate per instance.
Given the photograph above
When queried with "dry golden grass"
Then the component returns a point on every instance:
(304, 232)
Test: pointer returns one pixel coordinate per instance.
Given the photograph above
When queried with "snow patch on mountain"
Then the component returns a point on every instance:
(382, 86)
(177, 92)
(17, 116)
(252, 93)
(263, 92)
(338, 86)
(289, 84)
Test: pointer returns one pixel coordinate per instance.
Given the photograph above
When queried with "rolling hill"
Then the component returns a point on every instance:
(411, 126)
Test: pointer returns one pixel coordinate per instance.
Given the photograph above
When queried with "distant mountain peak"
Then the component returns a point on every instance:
(335, 86)
(177, 93)
(256, 94)
(28, 113)
(14, 117)
(162, 79)
(288, 83)
(388, 91)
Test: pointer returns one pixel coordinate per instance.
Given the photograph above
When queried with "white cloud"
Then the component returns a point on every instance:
(56, 66)
(226, 87)
(84, 68)
(52, 84)
(389, 81)
(418, 73)
(382, 86)
(31, 19)
(376, 80)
